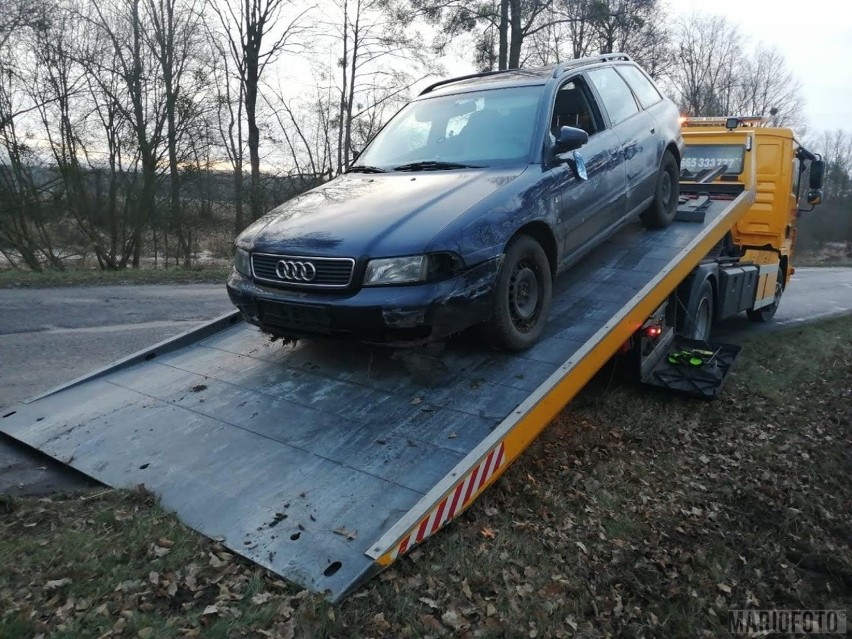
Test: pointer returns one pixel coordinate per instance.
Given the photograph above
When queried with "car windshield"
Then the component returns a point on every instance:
(455, 131)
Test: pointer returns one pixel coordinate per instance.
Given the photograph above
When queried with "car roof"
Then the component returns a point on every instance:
(517, 77)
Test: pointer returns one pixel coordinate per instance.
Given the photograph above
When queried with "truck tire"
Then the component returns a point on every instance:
(663, 208)
(698, 317)
(523, 295)
(766, 313)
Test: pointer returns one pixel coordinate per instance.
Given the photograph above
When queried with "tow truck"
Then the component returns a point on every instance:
(326, 461)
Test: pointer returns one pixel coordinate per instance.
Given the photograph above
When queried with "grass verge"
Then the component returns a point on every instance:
(635, 514)
(91, 277)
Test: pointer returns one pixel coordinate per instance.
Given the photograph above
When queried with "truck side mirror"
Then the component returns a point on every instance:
(569, 139)
(816, 175)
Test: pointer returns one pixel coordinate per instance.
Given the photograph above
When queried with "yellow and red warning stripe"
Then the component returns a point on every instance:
(455, 501)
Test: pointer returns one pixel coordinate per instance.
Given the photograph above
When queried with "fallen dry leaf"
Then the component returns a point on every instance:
(488, 533)
(343, 532)
(57, 583)
(380, 622)
(453, 619)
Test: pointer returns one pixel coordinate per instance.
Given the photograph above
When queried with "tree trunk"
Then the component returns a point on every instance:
(516, 33)
(252, 77)
(503, 59)
(343, 87)
(350, 101)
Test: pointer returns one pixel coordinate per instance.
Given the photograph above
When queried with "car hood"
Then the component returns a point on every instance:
(372, 215)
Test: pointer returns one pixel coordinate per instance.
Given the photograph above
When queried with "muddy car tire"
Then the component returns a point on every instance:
(523, 296)
(663, 208)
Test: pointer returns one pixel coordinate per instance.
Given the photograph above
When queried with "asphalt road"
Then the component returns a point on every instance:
(812, 294)
(50, 336)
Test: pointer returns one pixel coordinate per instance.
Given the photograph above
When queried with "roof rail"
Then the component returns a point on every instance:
(596, 59)
(561, 68)
(470, 76)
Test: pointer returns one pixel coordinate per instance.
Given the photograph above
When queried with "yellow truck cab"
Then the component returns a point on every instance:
(723, 156)
(731, 159)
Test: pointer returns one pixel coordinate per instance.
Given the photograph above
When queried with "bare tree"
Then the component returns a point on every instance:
(714, 73)
(832, 222)
(26, 183)
(769, 88)
(229, 101)
(174, 38)
(248, 27)
(120, 28)
(377, 55)
(708, 54)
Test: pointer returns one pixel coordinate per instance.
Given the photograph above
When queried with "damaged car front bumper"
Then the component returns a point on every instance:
(402, 314)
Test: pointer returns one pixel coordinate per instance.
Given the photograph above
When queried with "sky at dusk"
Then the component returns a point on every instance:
(816, 40)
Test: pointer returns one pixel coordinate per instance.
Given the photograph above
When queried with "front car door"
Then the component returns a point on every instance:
(636, 130)
(587, 206)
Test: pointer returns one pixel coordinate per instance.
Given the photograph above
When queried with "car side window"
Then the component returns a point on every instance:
(616, 95)
(572, 107)
(644, 89)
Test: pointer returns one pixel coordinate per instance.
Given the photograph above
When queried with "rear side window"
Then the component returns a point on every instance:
(641, 85)
(616, 95)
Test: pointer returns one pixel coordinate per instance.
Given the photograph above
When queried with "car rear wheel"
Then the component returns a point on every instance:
(524, 291)
(663, 208)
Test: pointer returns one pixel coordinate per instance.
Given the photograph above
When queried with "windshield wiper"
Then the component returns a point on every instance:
(433, 166)
(363, 168)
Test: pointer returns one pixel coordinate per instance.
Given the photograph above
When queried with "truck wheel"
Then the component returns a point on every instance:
(662, 210)
(524, 291)
(766, 313)
(698, 321)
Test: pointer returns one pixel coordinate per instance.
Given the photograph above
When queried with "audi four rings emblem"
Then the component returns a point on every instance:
(295, 271)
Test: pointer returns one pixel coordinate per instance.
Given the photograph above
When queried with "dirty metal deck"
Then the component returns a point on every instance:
(274, 448)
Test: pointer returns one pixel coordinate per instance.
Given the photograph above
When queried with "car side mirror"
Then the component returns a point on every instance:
(814, 197)
(569, 139)
(816, 175)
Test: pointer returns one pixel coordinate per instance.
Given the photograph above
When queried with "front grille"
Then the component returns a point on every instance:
(321, 272)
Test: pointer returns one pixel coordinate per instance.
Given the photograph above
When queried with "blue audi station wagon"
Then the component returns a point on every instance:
(465, 207)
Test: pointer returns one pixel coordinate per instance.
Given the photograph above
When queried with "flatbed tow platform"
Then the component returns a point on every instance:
(325, 461)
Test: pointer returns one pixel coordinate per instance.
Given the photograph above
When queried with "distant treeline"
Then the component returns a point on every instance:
(127, 127)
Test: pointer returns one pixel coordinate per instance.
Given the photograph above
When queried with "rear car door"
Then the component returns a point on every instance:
(587, 206)
(636, 130)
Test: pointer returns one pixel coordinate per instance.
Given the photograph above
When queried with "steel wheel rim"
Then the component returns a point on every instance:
(525, 296)
(666, 188)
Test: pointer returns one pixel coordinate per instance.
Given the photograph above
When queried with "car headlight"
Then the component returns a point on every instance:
(396, 270)
(242, 262)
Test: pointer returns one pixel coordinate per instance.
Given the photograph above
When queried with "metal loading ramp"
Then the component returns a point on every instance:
(325, 461)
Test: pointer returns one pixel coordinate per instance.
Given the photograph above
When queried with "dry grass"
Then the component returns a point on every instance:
(636, 514)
